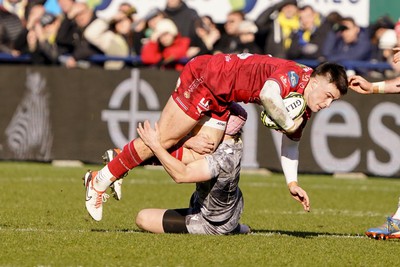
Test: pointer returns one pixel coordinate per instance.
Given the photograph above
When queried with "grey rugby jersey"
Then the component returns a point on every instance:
(219, 197)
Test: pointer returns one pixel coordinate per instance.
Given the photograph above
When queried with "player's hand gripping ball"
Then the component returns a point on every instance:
(295, 105)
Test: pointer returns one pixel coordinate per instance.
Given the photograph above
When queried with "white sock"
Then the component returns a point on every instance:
(103, 179)
(397, 214)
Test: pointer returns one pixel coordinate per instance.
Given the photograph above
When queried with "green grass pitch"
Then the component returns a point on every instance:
(43, 222)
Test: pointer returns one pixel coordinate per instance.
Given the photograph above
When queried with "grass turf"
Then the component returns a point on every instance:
(43, 222)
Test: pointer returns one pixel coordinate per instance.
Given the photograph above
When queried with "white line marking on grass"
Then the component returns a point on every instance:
(78, 180)
(68, 230)
(352, 188)
(311, 235)
(267, 234)
(350, 213)
(267, 183)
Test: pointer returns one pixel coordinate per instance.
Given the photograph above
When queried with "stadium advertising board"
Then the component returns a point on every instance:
(54, 113)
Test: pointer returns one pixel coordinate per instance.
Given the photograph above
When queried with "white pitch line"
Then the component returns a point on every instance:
(349, 213)
(267, 234)
(67, 230)
(260, 184)
(305, 235)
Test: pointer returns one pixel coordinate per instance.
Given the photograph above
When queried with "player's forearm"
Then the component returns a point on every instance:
(174, 167)
(290, 159)
(388, 87)
(273, 104)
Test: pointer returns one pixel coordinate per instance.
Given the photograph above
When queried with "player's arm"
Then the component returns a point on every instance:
(290, 162)
(362, 86)
(196, 171)
(272, 101)
(200, 143)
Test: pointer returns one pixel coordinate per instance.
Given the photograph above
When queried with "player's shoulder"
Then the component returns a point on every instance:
(298, 67)
(228, 150)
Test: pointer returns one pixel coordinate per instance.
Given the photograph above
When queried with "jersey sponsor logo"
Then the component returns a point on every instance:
(305, 77)
(195, 84)
(186, 94)
(293, 78)
(284, 80)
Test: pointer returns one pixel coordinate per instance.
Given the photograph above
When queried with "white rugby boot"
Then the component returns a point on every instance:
(94, 198)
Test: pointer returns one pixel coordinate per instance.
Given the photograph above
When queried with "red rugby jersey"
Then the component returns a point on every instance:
(240, 77)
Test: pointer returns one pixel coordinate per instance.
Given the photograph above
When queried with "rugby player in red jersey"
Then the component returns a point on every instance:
(207, 86)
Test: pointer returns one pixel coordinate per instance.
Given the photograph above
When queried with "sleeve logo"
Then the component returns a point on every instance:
(293, 78)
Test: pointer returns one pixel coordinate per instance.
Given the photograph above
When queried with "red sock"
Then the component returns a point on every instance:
(125, 161)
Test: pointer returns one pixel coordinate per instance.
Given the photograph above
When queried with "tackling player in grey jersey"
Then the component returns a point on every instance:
(217, 204)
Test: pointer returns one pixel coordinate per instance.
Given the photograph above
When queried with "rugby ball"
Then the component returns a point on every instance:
(295, 105)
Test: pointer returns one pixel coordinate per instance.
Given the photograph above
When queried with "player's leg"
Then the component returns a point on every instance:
(162, 220)
(174, 124)
(209, 128)
(116, 186)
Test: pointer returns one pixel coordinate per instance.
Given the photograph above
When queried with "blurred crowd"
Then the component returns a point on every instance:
(166, 37)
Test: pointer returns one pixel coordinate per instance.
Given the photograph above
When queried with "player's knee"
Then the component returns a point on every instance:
(141, 220)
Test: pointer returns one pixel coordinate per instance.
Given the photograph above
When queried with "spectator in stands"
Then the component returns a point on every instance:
(31, 4)
(383, 40)
(387, 42)
(376, 30)
(212, 34)
(41, 40)
(25, 38)
(229, 41)
(247, 30)
(16, 7)
(393, 53)
(308, 41)
(347, 41)
(12, 27)
(207, 34)
(143, 28)
(275, 26)
(68, 28)
(166, 46)
(4, 40)
(111, 37)
(183, 17)
(82, 49)
(333, 18)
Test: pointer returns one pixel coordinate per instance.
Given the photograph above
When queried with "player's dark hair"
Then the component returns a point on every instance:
(335, 74)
